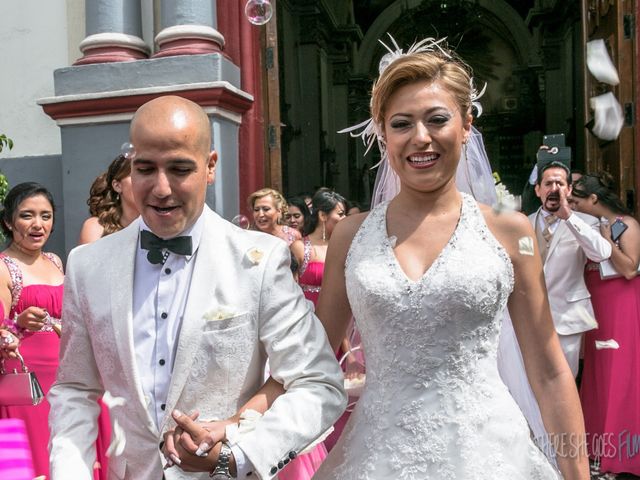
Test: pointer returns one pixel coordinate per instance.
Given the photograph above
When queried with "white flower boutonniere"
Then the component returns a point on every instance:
(254, 255)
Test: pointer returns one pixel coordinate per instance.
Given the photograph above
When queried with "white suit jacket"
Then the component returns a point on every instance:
(574, 240)
(242, 308)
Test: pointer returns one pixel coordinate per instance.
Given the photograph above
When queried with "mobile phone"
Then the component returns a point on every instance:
(617, 229)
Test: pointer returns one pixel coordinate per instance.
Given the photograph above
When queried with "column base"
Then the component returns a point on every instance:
(188, 40)
(112, 47)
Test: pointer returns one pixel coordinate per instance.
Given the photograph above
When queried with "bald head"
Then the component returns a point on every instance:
(186, 121)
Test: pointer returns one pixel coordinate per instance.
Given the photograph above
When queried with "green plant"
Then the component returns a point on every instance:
(5, 142)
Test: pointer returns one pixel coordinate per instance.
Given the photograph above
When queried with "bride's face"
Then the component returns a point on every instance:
(424, 132)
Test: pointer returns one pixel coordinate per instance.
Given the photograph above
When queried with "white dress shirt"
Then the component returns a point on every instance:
(160, 294)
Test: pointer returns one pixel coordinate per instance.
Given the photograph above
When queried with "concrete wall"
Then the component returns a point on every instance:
(33, 35)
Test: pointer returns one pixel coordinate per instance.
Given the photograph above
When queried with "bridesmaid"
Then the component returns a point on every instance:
(31, 286)
(31, 290)
(329, 208)
(610, 391)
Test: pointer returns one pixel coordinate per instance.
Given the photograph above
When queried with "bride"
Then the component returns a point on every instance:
(427, 276)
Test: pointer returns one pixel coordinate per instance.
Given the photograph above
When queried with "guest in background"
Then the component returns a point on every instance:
(610, 388)
(31, 286)
(329, 209)
(566, 239)
(298, 214)
(111, 203)
(269, 211)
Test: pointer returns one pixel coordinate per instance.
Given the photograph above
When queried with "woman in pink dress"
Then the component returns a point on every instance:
(31, 290)
(328, 209)
(610, 388)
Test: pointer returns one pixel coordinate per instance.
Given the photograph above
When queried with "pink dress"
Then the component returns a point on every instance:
(310, 279)
(15, 452)
(40, 352)
(305, 466)
(610, 388)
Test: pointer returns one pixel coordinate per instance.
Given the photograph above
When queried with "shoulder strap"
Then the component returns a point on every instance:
(54, 260)
(16, 281)
(307, 255)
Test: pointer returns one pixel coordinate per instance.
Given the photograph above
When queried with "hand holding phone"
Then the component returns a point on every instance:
(617, 229)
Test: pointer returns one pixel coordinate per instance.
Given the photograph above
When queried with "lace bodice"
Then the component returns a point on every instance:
(434, 406)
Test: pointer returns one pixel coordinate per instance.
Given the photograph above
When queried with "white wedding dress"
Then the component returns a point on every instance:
(434, 406)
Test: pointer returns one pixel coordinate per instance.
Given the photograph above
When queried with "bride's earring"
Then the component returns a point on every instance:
(324, 232)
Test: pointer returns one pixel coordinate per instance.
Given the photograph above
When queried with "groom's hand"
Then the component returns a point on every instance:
(196, 445)
(171, 438)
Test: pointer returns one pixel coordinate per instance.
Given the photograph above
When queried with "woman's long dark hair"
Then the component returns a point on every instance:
(301, 205)
(16, 196)
(600, 185)
(324, 200)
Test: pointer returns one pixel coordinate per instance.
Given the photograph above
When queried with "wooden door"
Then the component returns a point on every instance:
(614, 21)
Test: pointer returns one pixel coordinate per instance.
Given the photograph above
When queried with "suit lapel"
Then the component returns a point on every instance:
(198, 301)
(121, 282)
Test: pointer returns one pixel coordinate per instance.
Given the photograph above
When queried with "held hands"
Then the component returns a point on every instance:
(32, 318)
(194, 446)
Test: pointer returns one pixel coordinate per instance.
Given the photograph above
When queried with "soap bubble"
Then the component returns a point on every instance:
(128, 150)
(258, 12)
(241, 221)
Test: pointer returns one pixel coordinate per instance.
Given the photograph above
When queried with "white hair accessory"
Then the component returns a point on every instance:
(387, 184)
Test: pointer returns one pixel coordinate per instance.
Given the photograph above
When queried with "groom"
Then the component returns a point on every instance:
(179, 311)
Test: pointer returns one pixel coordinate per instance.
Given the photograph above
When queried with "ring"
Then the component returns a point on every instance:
(8, 339)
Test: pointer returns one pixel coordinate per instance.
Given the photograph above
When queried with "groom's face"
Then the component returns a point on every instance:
(171, 170)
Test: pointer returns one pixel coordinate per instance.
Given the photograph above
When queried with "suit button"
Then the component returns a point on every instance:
(164, 315)
(286, 460)
(161, 362)
(292, 455)
(162, 407)
(273, 470)
(280, 465)
(167, 271)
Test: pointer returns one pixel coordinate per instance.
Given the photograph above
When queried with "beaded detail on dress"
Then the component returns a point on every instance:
(434, 406)
(16, 291)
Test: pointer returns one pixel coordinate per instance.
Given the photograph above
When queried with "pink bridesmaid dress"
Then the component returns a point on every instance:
(310, 279)
(15, 452)
(610, 387)
(40, 352)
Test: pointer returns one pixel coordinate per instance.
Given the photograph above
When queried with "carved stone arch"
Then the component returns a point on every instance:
(501, 17)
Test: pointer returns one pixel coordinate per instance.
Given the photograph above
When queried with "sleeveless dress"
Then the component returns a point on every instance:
(434, 406)
(610, 390)
(304, 466)
(310, 275)
(40, 352)
(310, 279)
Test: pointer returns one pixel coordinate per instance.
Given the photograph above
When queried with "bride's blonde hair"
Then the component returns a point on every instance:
(448, 70)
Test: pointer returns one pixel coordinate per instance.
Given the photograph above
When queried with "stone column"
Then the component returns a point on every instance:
(114, 32)
(189, 27)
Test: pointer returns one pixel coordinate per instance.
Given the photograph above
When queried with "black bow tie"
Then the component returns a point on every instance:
(155, 245)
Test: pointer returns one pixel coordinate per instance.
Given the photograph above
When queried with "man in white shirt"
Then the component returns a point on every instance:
(178, 312)
(566, 239)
